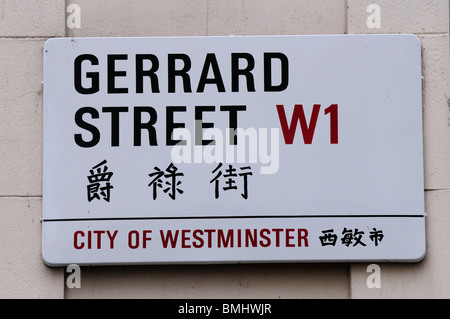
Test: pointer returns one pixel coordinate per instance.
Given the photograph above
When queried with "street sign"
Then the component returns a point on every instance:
(233, 149)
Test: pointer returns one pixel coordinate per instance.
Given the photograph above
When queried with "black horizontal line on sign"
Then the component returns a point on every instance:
(229, 217)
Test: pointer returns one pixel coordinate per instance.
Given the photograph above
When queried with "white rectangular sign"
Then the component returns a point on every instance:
(233, 149)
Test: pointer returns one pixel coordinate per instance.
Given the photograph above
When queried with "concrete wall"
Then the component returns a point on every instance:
(24, 27)
(429, 20)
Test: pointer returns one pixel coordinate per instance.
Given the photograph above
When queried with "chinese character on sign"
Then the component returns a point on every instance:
(350, 236)
(376, 236)
(328, 238)
(170, 185)
(229, 177)
(99, 182)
